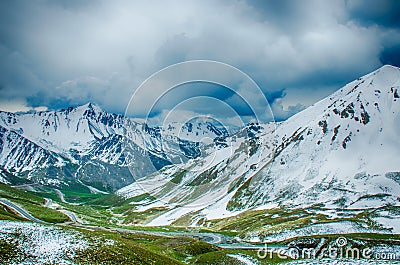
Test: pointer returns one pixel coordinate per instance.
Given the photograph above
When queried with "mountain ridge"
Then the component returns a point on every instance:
(79, 139)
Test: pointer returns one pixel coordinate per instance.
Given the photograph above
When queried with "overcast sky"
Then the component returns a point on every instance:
(57, 53)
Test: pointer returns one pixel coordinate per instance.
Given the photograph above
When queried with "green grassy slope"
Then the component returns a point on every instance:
(30, 202)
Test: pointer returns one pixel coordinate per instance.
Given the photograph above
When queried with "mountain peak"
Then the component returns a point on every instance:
(91, 106)
(90, 109)
(389, 67)
(388, 72)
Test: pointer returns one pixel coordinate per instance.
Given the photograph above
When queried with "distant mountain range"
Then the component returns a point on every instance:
(88, 146)
(342, 152)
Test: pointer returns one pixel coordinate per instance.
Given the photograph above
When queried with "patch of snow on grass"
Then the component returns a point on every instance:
(321, 229)
(244, 259)
(42, 244)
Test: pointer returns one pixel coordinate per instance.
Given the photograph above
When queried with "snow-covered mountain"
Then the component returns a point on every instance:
(86, 144)
(342, 152)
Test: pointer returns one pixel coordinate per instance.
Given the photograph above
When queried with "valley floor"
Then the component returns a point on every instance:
(35, 230)
(32, 243)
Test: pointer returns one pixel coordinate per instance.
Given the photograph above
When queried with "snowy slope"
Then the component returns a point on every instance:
(342, 152)
(20, 153)
(206, 184)
(61, 131)
(50, 147)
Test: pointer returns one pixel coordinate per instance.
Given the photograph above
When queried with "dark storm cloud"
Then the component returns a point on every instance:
(370, 12)
(384, 14)
(62, 52)
(391, 55)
